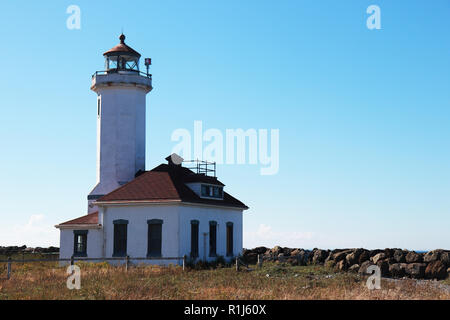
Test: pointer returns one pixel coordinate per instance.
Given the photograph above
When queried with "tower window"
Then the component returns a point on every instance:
(98, 107)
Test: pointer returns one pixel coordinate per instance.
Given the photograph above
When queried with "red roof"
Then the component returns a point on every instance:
(122, 48)
(148, 186)
(91, 218)
(167, 183)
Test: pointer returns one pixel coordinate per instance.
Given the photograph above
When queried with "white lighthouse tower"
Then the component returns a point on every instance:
(121, 91)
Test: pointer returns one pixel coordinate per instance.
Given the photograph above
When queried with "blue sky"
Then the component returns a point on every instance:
(363, 114)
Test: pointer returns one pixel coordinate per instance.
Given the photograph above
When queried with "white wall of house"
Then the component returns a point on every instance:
(94, 243)
(204, 214)
(176, 231)
(137, 230)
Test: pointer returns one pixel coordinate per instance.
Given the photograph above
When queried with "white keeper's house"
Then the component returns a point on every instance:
(169, 211)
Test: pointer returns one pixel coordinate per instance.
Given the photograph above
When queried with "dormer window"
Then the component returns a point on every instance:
(210, 191)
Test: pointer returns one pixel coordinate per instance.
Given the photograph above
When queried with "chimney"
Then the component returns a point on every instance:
(174, 160)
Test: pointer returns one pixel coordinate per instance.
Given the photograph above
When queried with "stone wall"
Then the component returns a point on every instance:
(395, 263)
(24, 249)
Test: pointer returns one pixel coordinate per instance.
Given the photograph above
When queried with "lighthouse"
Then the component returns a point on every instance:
(156, 216)
(121, 92)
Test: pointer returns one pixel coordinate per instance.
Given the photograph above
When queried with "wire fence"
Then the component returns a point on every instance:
(127, 260)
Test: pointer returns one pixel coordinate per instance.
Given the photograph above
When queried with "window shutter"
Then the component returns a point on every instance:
(154, 238)
(194, 238)
(212, 238)
(120, 238)
(229, 238)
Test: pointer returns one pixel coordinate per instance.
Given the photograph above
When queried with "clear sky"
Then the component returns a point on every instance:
(363, 114)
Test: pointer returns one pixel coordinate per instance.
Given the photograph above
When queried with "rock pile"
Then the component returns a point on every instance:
(7, 251)
(395, 263)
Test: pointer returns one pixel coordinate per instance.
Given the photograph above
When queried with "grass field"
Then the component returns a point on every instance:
(273, 281)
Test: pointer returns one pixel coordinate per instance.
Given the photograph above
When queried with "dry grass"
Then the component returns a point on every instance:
(102, 281)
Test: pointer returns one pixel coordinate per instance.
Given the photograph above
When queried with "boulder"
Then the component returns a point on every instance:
(364, 266)
(384, 267)
(302, 258)
(416, 270)
(295, 252)
(399, 256)
(397, 270)
(353, 257)
(364, 256)
(276, 251)
(391, 260)
(250, 257)
(413, 257)
(319, 256)
(375, 252)
(445, 258)
(354, 268)
(286, 251)
(378, 257)
(436, 270)
(260, 250)
(338, 256)
(342, 265)
(431, 256)
(389, 252)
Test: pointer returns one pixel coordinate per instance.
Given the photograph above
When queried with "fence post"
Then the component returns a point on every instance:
(184, 262)
(9, 268)
(237, 264)
(127, 262)
(72, 260)
(260, 261)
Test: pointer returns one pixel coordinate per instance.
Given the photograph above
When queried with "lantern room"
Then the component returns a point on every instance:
(122, 58)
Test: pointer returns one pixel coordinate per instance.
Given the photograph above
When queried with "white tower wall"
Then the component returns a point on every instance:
(120, 130)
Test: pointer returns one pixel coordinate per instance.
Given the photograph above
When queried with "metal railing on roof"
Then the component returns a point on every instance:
(202, 167)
